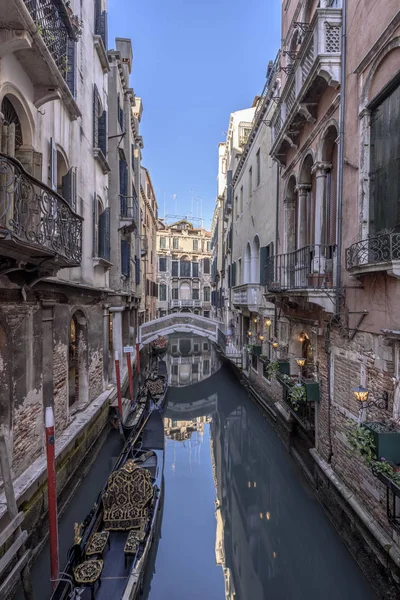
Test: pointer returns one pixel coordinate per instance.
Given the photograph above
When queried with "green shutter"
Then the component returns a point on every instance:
(263, 264)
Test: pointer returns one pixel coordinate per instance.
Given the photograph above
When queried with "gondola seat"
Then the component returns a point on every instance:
(98, 543)
(156, 386)
(87, 572)
(127, 498)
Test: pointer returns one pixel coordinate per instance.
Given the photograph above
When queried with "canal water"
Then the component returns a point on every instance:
(239, 521)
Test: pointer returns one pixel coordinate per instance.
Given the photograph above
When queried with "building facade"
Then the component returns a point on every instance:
(148, 247)
(331, 110)
(183, 254)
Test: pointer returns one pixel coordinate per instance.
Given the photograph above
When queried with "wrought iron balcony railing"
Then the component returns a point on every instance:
(311, 267)
(36, 219)
(382, 248)
(129, 209)
(56, 25)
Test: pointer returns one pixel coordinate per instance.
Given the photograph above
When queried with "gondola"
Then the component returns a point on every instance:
(136, 413)
(157, 383)
(110, 552)
(160, 345)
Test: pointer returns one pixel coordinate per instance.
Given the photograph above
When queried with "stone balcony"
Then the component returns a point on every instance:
(129, 213)
(248, 295)
(37, 226)
(186, 303)
(377, 253)
(42, 35)
(309, 272)
(309, 72)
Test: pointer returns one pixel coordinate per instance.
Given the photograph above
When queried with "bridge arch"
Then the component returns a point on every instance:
(182, 323)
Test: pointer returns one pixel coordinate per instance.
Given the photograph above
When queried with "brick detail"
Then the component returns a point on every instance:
(60, 386)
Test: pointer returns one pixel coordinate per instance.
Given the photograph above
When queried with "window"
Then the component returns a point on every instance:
(195, 368)
(163, 242)
(208, 246)
(101, 229)
(174, 349)
(162, 264)
(258, 167)
(185, 268)
(241, 199)
(100, 22)
(206, 265)
(174, 293)
(250, 182)
(206, 367)
(205, 346)
(236, 206)
(206, 294)
(175, 243)
(99, 123)
(195, 294)
(175, 369)
(206, 314)
(195, 269)
(195, 245)
(125, 258)
(162, 292)
(196, 347)
(175, 268)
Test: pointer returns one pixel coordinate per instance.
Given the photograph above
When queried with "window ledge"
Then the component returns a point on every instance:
(101, 52)
(101, 159)
(391, 267)
(99, 261)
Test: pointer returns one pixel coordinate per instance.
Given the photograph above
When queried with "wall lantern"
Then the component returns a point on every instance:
(300, 362)
(255, 319)
(267, 322)
(249, 333)
(302, 337)
(275, 345)
(261, 338)
(361, 395)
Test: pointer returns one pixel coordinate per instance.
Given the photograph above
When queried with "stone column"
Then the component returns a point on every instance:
(117, 337)
(302, 217)
(290, 224)
(321, 170)
(47, 352)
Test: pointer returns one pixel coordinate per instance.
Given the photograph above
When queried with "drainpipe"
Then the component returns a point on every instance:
(278, 174)
(341, 154)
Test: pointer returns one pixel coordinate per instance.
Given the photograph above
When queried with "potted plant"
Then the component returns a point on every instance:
(297, 394)
(312, 390)
(284, 366)
(272, 369)
(386, 439)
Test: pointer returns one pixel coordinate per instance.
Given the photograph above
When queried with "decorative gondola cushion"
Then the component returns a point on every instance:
(88, 572)
(97, 543)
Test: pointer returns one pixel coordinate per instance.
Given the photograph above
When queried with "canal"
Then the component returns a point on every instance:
(239, 520)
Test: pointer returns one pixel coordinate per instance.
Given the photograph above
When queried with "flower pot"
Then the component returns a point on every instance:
(256, 350)
(387, 442)
(312, 391)
(284, 367)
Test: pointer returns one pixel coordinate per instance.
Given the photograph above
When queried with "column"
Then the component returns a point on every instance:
(300, 266)
(106, 340)
(116, 312)
(321, 170)
(283, 267)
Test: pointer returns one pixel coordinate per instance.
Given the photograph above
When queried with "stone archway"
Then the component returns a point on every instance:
(78, 375)
(306, 203)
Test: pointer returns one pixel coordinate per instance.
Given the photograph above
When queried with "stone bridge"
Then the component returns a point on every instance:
(183, 323)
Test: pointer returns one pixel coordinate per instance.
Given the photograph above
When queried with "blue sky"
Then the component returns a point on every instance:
(195, 62)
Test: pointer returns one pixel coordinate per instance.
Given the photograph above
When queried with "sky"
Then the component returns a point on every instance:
(195, 62)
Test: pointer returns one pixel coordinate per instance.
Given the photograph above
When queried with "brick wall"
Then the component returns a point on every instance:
(60, 385)
(96, 382)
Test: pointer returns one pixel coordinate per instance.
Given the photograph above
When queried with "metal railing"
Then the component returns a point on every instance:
(310, 267)
(380, 248)
(35, 215)
(186, 303)
(55, 25)
(129, 208)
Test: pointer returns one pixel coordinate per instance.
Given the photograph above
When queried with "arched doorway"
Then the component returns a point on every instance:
(78, 378)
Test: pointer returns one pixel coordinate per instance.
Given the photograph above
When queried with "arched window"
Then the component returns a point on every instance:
(11, 118)
(247, 264)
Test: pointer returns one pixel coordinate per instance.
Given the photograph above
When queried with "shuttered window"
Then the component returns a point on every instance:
(125, 258)
(162, 264)
(71, 66)
(206, 294)
(162, 292)
(104, 234)
(206, 266)
(137, 270)
(175, 268)
(96, 110)
(102, 129)
(195, 269)
(101, 22)
(69, 188)
(233, 276)
(384, 209)
(95, 225)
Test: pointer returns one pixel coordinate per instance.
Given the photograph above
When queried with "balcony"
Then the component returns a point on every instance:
(42, 36)
(249, 295)
(144, 245)
(308, 271)
(315, 67)
(186, 303)
(377, 253)
(129, 213)
(37, 226)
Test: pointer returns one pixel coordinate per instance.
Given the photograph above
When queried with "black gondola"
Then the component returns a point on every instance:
(157, 383)
(109, 557)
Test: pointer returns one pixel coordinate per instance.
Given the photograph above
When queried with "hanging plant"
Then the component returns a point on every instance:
(362, 442)
(297, 394)
(272, 369)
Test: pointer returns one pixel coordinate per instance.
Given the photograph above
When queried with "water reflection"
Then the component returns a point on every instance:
(239, 520)
(191, 359)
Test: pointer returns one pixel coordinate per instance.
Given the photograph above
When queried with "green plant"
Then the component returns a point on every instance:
(272, 369)
(297, 394)
(383, 467)
(362, 442)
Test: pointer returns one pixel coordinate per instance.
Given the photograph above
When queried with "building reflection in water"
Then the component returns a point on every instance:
(273, 539)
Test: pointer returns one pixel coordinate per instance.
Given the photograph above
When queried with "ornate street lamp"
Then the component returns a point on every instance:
(361, 395)
(300, 363)
(275, 345)
(267, 322)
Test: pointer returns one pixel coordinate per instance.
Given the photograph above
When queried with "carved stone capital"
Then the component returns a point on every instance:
(321, 169)
(289, 202)
(303, 188)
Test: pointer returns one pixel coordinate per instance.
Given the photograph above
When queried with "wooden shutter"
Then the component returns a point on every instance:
(69, 188)
(233, 274)
(53, 165)
(263, 264)
(123, 177)
(96, 99)
(137, 270)
(102, 133)
(385, 168)
(125, 258)
(71, 66)
(95, 225)
(229, 276)
(104, 234)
